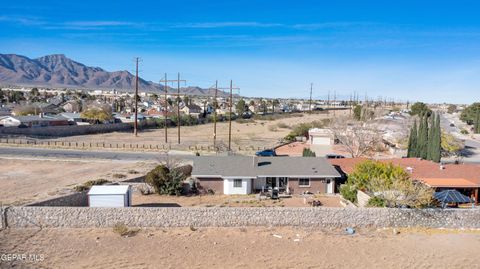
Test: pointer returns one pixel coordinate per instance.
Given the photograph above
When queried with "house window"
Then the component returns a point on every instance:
(304, 182)
(237, 183)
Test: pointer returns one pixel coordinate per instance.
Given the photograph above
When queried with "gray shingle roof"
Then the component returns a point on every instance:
(243, 166)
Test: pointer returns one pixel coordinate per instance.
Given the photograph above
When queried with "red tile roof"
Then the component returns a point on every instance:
(448, 175)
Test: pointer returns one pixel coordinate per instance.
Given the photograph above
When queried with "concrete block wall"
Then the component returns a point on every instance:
(84, 217)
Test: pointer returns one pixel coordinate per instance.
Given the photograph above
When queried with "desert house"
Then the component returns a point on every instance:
(320, 136)
(245, 174)
(192, 109)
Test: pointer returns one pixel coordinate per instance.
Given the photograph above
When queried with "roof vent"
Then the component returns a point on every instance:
(410, 169)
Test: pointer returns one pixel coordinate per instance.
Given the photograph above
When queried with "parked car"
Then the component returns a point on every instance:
(266, 153)
(335, 156)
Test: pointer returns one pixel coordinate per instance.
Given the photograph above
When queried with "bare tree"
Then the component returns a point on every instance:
(357, 138)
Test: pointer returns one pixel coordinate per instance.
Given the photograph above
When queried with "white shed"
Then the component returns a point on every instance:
(110, 196)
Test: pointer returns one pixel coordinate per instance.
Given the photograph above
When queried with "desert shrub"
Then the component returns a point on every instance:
(464, 131)
(122, 230)
(376, 201)
(301, 129)
(308, 153)
(282, 125)
(133, 172)
(87, 185)
(119, 176)
(167, 180)
(272, 128)
(349, 192)
(391, 183)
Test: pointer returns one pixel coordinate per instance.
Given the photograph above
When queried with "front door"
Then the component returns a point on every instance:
(330, 186)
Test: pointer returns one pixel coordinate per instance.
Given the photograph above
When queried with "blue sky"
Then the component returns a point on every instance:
(428, 51)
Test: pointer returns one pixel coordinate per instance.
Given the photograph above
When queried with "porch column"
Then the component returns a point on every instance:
(476, 196)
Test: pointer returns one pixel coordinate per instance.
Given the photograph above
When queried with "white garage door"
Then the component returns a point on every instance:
(321, 140)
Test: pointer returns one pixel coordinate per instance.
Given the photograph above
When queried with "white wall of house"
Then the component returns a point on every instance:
(230, 188)
(9, 122)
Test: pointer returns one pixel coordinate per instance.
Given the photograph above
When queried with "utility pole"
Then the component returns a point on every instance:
(165, 88)
(178, 80)
(231, 88)
(328, 100)
(334, 101)
(215, 103)
(135, 125)
(310, 103)
(178, 107)
(230, 118)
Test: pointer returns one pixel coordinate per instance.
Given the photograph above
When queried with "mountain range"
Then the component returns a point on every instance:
(57, 70)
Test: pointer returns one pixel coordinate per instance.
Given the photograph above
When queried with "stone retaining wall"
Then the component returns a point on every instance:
(84, 217)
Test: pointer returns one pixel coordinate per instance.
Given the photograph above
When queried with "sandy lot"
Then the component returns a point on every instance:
(155, 200)
(258, 134)
(30, 180)
(253, 247)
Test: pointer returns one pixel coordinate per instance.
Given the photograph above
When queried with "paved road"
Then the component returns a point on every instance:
(472, 147)
(40, 153)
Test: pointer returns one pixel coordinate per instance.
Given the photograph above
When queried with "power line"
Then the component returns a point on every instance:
(178, 80)
(231, 88)
(135, 125)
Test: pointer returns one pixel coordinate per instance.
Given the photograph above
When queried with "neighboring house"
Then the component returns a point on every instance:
(33, 121)
(193, 110)
(463, 177)
(245, 175)
(75, 118)
(128, 118)
(72, 107)
(318, 136)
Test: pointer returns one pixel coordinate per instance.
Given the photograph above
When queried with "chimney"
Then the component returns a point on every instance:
(255, 161)
(410, 169)
(442, 167)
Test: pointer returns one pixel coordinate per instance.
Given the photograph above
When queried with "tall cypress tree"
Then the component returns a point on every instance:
(430, 138)
(476, 126)
(423, 137)
(437, 141)
(412, 141)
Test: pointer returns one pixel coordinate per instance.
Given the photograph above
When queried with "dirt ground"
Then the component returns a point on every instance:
(154, 200)
(24, 181)
(261, 133)
(253, 247)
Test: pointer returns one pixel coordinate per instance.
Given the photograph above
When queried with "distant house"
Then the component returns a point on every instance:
(75, 118)
(245, 175)
(319, 136)
(193, 110)
(33, 121)
(127, 117)
(72, 107)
